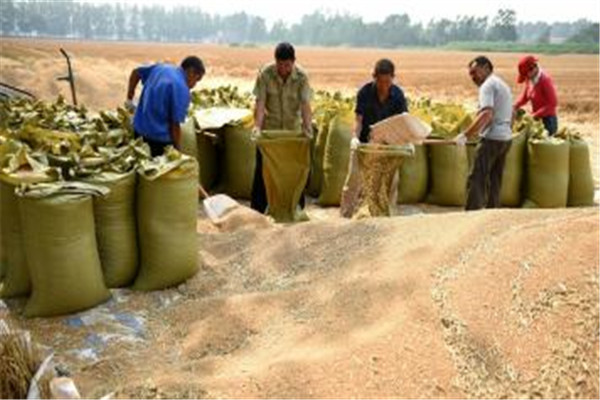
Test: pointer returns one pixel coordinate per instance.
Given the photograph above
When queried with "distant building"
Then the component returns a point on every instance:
(558, 39)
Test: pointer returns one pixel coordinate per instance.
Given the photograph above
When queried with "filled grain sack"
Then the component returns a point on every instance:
(448, 172)
(61, 249)
(286, 165)
(15, 276)
(115, 223)
(316, 171)
(378, 166)
(189, 144)
(514, 172)
(547, 173)
(413, 177)
(213, 155)
(352, 187)
(207, 159)
(2, 251)
(581, 180)
(7, 147)
(238, 160)
(471, 153)
(18, 166)
(201, 146)
(167, 201)
(336, 159)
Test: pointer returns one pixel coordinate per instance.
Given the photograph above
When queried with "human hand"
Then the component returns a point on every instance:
(255, 135)
(460, 139)
(308, 132)
(130, 106)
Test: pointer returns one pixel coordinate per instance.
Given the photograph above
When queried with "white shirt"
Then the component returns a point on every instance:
(537, 76)
(494, 93)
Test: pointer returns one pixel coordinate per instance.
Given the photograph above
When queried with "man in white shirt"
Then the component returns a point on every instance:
(493, 126)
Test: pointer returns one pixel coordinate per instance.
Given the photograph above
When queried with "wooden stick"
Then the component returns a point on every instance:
(439, 141)
(203, 192)
(445, 141)
(210, 135)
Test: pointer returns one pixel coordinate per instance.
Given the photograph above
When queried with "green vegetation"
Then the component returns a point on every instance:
(538, 48)
(116, 21)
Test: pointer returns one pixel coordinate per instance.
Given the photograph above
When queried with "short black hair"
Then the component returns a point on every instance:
(193, 63)
(482, 61)
(285, 51)
(384, 67)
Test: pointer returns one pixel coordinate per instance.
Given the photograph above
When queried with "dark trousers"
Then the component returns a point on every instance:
(259, 201)
(551, 124)
(485, 179)
(156, 148)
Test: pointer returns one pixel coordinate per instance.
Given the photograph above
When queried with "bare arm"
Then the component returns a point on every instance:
(522, 100)
(259, 114)
(134, 79)
(176, 135)
(306, 118)
(483, 119)
(358, 122)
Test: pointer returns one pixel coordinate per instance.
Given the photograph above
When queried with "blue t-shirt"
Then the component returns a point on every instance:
(165, 99)
(373, 111)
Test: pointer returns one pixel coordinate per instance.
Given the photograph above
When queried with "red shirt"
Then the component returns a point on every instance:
(542, 96)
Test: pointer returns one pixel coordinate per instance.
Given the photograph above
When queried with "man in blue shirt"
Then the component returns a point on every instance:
(164, 101)
(377, 100)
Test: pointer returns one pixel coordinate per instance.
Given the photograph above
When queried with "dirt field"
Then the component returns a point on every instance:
(443, 304)
(103, 68)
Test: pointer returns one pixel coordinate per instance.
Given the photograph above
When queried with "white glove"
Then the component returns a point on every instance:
(308, 132)
(255, 135)
(354, 142)
(130, 106)
(461, 139)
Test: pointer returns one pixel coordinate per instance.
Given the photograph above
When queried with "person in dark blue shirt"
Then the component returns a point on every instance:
(164, 101)
(377, 100)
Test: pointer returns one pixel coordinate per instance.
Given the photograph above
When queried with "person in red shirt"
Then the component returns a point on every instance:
(539, 89)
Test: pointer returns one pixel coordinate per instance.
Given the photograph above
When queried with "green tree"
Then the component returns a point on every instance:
(279, 32)
(120, 22)
(589, 34)
(504, 26)
(544, 37)
(467, 28)
(438, 32)
(8, 17)
(135, 23)
(394, 31)
(257, 32)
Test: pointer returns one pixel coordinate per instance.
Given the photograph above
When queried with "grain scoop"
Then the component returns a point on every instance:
(216, 206)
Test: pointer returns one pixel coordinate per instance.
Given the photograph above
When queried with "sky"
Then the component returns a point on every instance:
(291, 11)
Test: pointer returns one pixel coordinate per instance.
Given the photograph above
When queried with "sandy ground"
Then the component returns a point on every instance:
(486, 304)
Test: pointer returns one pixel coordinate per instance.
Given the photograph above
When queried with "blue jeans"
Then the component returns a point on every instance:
(551, 124)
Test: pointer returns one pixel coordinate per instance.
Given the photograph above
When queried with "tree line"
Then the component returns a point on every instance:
(78, 20)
